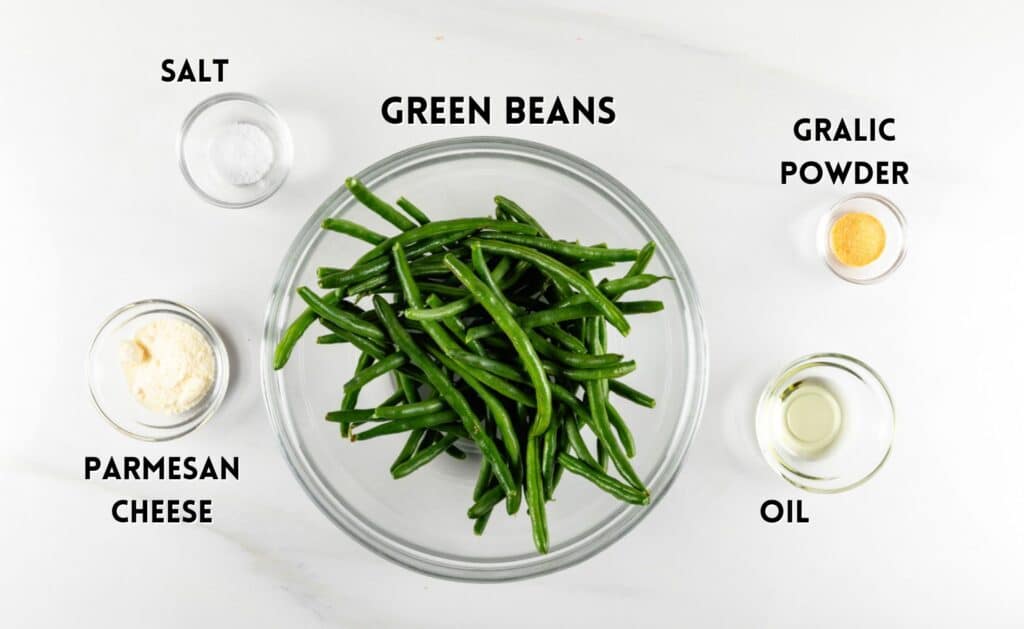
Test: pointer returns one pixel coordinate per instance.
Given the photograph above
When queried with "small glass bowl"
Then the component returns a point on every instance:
(892, 221)
(865, 435)
(110, 392)
(201, 128)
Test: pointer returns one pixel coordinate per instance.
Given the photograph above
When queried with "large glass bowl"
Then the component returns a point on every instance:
(420, 521)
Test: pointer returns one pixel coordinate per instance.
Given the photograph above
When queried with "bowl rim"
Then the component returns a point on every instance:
(218, 389)
(199, 110)
(417, 558)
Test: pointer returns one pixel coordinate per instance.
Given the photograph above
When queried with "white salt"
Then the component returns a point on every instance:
(242, 153)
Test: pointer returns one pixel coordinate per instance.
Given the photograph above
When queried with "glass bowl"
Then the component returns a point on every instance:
(203, 162)
(894, 224)
(853, 449)
(110, 392)
(420, 521)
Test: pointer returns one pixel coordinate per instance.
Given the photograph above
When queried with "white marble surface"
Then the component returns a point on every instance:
(96, 214)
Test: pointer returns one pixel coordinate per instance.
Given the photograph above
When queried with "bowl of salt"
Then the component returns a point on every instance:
(234, 150)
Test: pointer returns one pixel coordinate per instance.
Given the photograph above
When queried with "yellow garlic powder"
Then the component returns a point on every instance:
(857, 239)
(169, 366)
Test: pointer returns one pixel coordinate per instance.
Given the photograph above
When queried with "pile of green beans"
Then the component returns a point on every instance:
(495, 334)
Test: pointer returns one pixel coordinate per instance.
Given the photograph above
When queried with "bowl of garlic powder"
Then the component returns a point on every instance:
(157, 370)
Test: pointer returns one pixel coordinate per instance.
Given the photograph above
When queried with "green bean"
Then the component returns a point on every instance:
(353, 229)
(363, 344)
(486, 502)
(355, 415)
(390, 427)
(455, 307)
(291, 336)
(424, 456)
(570, 342)
(378, 205)
(572, 432)
(356, 274)
(565, 313)
(368, 286)
(439, 229)
(512, 208)
(298, 327)
(323, 271)
(442, 289)
(456, 453)
(618, 287)
(504, 319)
(597, 399)
(370, 268)
(329, 339)
(591, 265)
(563, 446)
(483, 479)
(450, 309)
(625, 391)
(603, 481)
(547, 465)
(572, 359)
(350, 399)
(600, 373)
(343, 319)
(364, 377)
(566, 249)
(602, 457)
(625, 435)
(481, 523)
(642, 260)
(409, 449)
(614, 289)
(484, 273)
(498, 412)
(419, 251)
(413, 211)
(555, 269)
(496, 367)
(445, 389)
(512, 503)
(504, 388)
(409, 390)
(412, 409)
(562, 313)
(535, 495)
(452, 324)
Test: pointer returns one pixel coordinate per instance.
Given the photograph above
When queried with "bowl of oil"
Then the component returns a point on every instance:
(826, 423)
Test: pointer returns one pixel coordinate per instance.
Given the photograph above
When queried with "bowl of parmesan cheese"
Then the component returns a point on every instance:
(157, 370)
